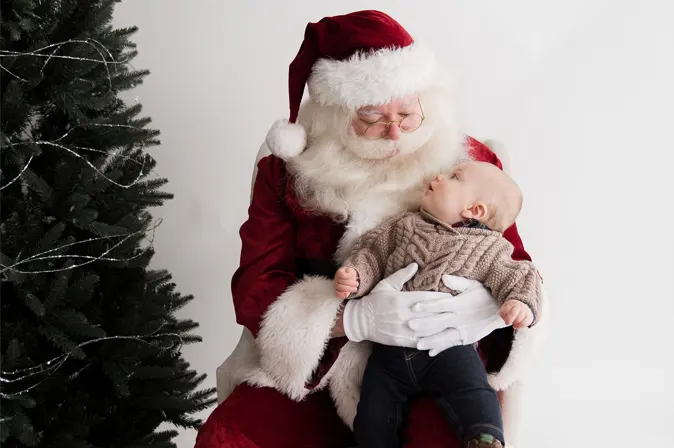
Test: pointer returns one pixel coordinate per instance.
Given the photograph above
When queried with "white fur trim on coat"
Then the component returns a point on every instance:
(294, 332)
(347, 377)
(242, 366)
(286, 140)
(526, 346)
(512, 401)
(358, 81)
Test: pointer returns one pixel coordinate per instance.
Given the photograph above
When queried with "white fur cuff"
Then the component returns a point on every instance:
(294, 333)
(526, 347)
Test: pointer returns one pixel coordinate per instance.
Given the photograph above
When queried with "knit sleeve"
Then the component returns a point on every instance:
(509, 279)
(369, 256)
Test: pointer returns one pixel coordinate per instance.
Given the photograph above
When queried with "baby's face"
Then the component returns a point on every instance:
(447, 196)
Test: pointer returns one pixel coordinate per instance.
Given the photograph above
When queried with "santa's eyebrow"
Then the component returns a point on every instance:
(370, 112)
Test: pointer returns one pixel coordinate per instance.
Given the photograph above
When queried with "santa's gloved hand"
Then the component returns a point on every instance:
(383, 315)
(459, 320)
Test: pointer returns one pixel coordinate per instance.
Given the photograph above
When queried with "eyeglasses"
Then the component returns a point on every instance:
(408, 123)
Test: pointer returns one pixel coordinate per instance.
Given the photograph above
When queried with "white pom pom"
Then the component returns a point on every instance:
(286, 140)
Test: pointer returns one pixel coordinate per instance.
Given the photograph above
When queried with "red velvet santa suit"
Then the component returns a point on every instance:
(280, 243)
(295, 386)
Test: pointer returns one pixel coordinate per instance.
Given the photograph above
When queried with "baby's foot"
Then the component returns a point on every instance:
(484, 441)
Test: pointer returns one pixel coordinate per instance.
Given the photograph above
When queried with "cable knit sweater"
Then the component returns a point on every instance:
(438, 249)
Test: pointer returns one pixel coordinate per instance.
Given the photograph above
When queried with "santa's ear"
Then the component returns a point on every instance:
(476, 211)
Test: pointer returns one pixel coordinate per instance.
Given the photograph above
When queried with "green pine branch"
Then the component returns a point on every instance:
(90, 337)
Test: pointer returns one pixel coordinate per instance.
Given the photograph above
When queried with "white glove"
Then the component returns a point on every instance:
(383, 315)
(459, 320)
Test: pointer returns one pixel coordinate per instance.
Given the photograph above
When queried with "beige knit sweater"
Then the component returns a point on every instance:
(438, 249)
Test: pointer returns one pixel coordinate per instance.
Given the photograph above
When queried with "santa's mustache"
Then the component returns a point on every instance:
(379, 149)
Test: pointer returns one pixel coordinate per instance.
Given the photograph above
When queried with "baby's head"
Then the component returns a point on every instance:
(474, 190)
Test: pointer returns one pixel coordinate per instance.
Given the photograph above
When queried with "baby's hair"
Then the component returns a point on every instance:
(502, 197)
(504, 202)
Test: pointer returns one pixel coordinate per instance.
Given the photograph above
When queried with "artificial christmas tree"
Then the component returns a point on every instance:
(90, 341)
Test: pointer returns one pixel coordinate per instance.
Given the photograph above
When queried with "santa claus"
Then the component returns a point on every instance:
(377, 124)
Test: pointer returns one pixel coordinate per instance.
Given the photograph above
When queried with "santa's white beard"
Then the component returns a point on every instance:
(340, 173)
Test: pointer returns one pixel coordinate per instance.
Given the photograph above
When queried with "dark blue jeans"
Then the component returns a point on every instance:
(456, 377)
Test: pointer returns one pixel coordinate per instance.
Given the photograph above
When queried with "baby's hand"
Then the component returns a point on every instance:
(517, 314)
(346, 282)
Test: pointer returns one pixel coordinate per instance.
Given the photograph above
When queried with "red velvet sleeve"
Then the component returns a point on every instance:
(267, 265)
(481, 153)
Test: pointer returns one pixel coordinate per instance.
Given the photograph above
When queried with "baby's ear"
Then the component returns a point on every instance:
(477, 211)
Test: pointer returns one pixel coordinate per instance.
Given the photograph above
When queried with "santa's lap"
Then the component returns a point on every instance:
(264, 418)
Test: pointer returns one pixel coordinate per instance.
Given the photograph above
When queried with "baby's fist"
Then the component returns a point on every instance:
(517, 314)
(346, 282)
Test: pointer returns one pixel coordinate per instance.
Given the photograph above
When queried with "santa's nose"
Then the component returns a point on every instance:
(394, 132)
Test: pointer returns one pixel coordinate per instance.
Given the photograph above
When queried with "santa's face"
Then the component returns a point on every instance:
(387, 131)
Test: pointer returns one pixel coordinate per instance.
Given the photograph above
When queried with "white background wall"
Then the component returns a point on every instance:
(581, 91)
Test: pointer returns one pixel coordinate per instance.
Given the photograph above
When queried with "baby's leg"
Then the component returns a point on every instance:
(383, 399)
(459, 379)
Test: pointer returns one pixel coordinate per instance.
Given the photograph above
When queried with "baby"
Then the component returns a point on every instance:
(457, 231)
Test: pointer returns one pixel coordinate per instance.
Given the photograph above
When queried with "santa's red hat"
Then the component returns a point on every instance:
(360, 59)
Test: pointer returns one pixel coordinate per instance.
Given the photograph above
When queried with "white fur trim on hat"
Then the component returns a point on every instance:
(501, 152)
(372, 78)
(286, 140)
